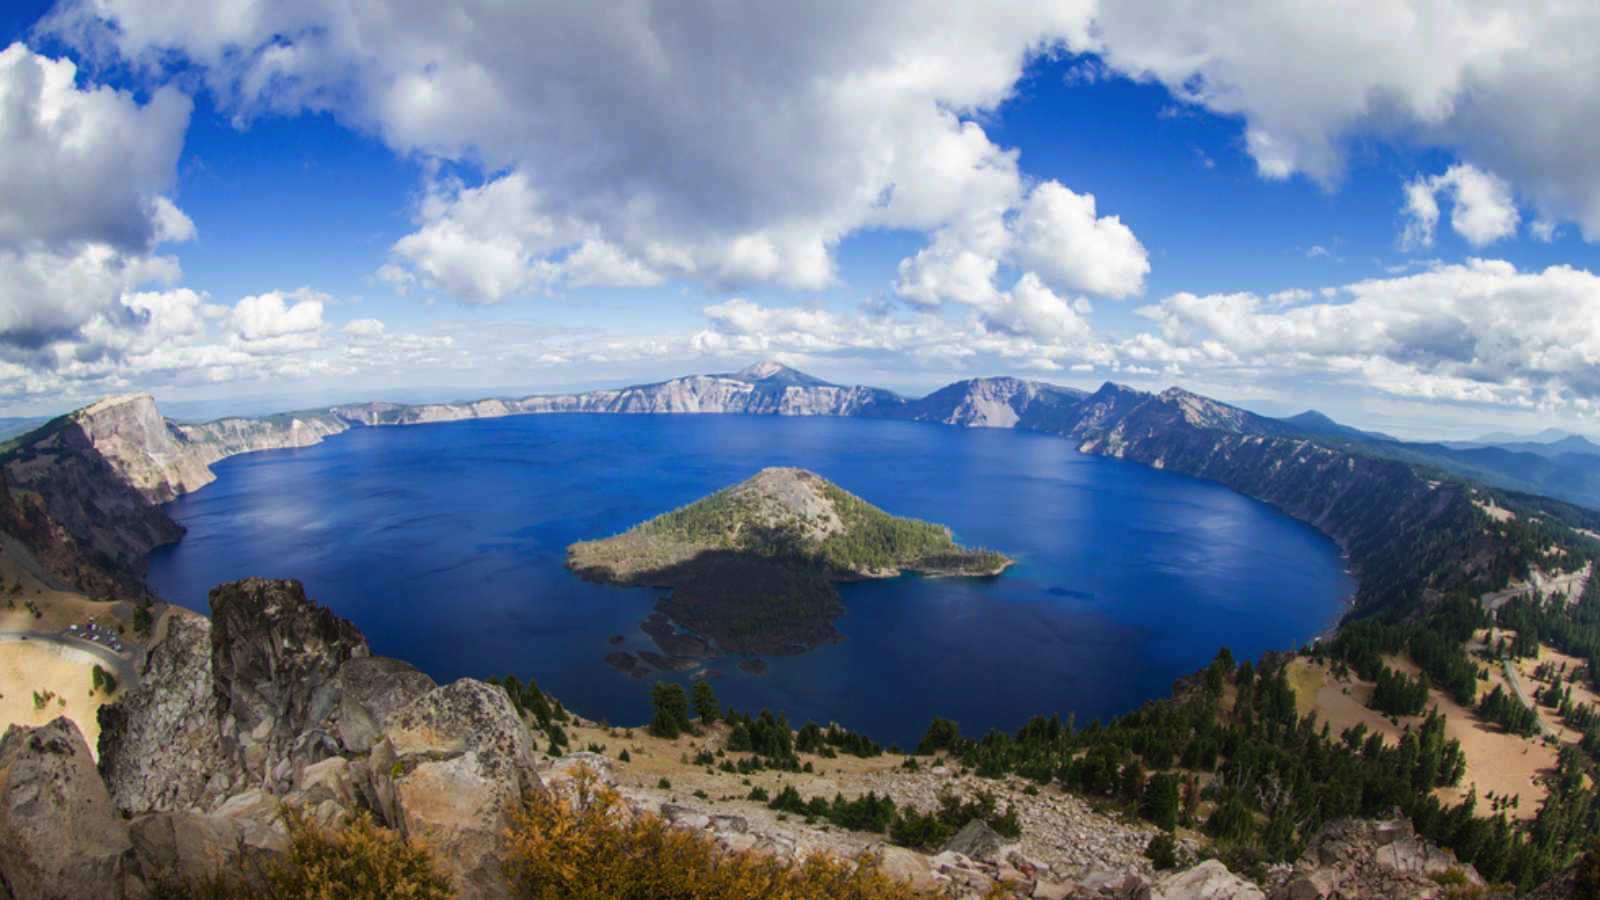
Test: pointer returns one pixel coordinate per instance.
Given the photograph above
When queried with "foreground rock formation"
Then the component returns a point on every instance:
(276, 704)
(59, 835)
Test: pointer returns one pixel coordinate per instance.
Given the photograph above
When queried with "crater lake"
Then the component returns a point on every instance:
(446, 544)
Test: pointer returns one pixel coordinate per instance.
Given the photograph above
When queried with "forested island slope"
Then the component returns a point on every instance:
(752, 566)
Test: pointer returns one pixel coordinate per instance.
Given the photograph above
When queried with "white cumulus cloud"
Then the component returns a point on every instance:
(633, 143)
(83, 171)
(1051, 234)
(1477, 332)
(1482, 208)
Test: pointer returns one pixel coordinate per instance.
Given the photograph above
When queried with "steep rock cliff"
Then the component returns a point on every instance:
(1384, 514)
(209, 442)
(993, 403)
(275, 658)
(279, 703)
(85, 487)
(160, 744)
(82, 493)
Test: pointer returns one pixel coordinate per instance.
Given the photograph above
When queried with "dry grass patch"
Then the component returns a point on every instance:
(31, 672)
(1503, 764)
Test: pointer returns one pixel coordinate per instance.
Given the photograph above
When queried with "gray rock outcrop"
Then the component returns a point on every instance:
(452, 768)
(275, 660)
(160, 744)
(278, 703)
(1360, 858)
(976, 840)
(1210, 880)
(60, 836)
(371, 690)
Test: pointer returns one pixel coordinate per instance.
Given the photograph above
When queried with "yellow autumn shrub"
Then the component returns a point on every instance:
(589, 847)
(360, 861)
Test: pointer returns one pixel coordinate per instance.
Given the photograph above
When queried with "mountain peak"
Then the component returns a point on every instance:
(1112, 388)
(141, 399)
(1311, 417)
(766, 368)
(772, 371)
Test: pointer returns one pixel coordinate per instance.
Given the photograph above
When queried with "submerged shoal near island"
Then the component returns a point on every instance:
(752, 568)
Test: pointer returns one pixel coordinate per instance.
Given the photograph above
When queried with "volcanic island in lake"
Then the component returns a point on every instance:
(751, 569)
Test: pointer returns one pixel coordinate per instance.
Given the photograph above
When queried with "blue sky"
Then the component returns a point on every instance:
(321, 193)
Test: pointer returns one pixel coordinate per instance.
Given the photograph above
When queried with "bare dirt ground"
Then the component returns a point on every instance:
(1498, 762)
(62, 678)
(1581, 693)
(61, 671)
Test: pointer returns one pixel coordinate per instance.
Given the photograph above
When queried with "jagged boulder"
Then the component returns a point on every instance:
(1105, 884)
(452, 768)
(976, 840)
(275, 660)
(371, 690)
(908, 866)
(183, 847)
(190, 847)
(160, 745)
(1358, 858)
(60, 835)
(1210, 880)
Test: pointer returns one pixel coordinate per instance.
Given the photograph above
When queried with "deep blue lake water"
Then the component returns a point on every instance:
(445, 544)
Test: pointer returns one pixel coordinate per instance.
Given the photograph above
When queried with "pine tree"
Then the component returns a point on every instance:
(705, 703)
(671, 710)
(1160, 802)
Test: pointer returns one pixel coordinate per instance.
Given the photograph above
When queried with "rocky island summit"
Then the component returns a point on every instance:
(752, 567)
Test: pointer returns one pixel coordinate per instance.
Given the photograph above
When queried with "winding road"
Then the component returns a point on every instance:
(1569, 584)
(121, 666)
(1516, 685)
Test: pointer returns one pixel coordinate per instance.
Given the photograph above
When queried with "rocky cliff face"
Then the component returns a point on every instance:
(160, 744)
(209, 442)
(149, 453)
(279, 702)
(83, 490)
(275, 659)
(991, 403)
(82, 493)
(1383, 513)
(724, 394)
(761, 389)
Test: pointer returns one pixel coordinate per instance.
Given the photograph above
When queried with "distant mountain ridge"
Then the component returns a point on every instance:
(1544, 436)
(1316, 423)
(1386, 503)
